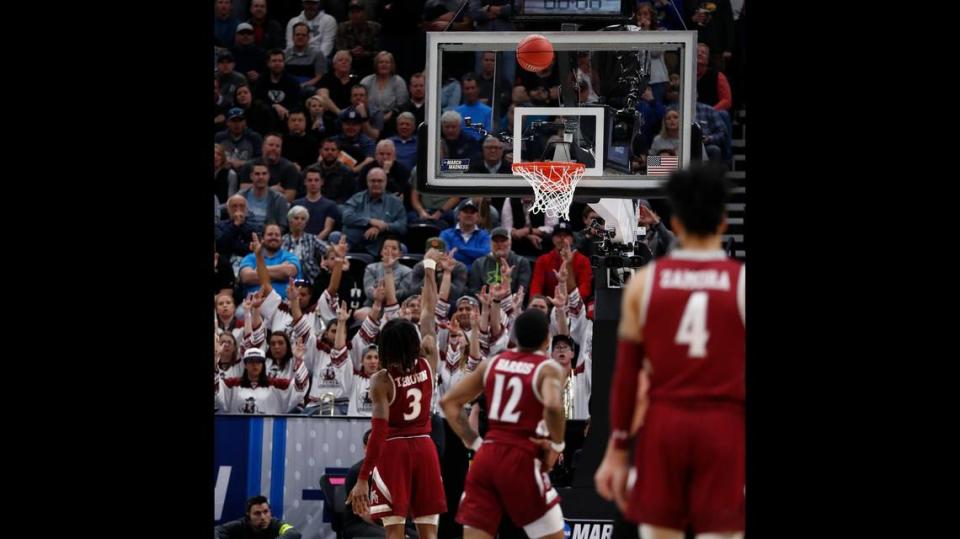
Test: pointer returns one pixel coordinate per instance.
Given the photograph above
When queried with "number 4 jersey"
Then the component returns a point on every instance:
(693, 327)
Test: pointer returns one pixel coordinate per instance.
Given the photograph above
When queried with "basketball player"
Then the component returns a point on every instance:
(509, 471)
(401, 457)
(684, 314)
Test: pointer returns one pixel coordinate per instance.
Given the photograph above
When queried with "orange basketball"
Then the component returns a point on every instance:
(534, 52)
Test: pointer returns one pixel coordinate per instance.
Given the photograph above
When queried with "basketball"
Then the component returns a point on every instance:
(534, 53)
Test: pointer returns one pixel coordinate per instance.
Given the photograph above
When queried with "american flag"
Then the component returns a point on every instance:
(661, 165)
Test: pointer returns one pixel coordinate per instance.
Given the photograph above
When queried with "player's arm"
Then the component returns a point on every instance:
(380, 388)
(551, 389)
(454, 401)
(428, 304)
(611, 476)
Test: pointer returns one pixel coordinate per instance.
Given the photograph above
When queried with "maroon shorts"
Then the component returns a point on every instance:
(691, 468)
(503, 478)
(406, 480)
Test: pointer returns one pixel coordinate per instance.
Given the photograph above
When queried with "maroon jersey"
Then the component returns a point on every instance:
(412, 398)
(515, 404)
(695, 333)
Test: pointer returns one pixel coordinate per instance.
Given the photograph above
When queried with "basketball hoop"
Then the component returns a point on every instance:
(553, 185)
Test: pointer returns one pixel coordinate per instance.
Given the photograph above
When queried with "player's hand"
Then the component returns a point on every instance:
(549, 455)
(359, 497)
(611, 478)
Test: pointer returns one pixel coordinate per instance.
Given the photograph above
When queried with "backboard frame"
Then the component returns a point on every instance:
(590, 187)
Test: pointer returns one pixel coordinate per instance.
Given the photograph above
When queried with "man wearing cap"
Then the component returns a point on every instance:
(267, 33)
(359, 36)
(470, 241)
(356, 144)
(251, 59)
(239, 141)
(458, 277)
(323, 27)
(278, 89)
(284, 177)
(372, 212)
(229, 79)
(579, 273)
(486, 269)
(389, 255)
(493, 162)
(224, 24)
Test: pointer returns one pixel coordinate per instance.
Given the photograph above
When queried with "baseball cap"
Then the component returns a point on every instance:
(225, 56)
(560, 337)
(500, 231)
(244, 26)
(350, 114)
(302, 282)
(563, 226)
(236, 112)
(254, 354)
(469, 299)
(436, 243)
(468, 203)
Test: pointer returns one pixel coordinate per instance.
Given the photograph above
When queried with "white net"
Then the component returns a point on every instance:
(553, 185)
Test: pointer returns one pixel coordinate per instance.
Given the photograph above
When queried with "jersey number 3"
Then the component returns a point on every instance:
(414, 395)
(693, 326)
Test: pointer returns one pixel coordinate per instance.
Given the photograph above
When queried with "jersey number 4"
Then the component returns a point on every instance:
(510, 413)
(693, 326)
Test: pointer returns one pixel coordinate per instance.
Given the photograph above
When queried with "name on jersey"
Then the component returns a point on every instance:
(518, 367)
(412, 379)
(695, 279)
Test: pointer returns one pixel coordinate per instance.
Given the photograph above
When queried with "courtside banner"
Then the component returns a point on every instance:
(283, 458)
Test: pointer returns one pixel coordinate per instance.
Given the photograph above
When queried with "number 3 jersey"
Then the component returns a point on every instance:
(412, 398)
(515, 405)
(693, 327)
